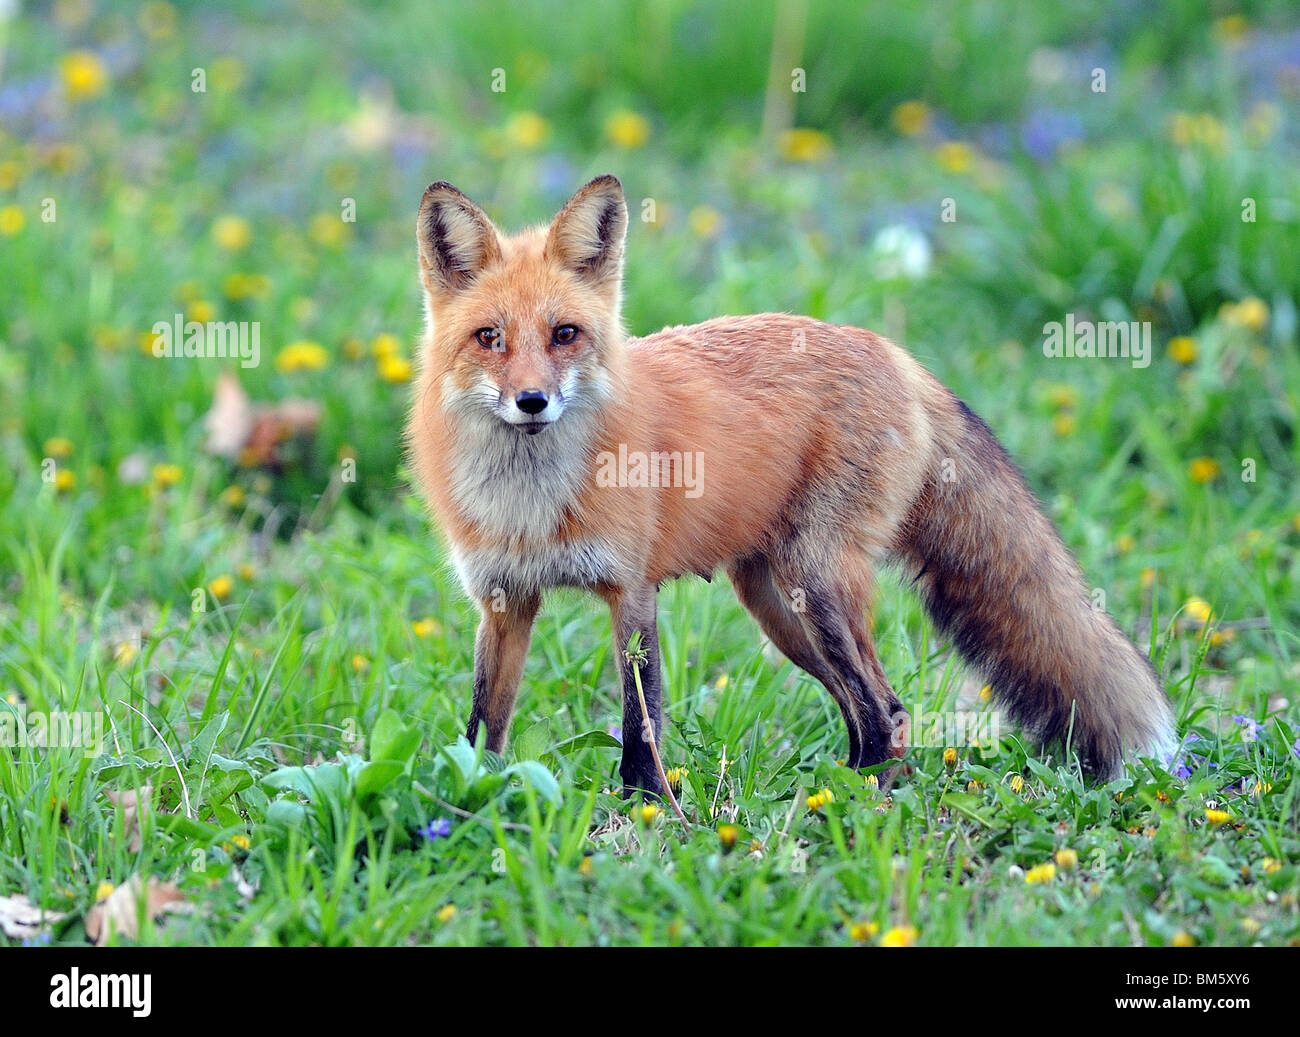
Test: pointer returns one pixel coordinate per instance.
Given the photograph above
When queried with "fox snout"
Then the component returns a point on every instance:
(532, 401)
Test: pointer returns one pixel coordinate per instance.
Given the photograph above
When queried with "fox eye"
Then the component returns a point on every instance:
(488, 337)
(564, 334)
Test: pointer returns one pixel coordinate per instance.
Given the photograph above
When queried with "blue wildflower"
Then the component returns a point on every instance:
(438, 828)
(1249, 728)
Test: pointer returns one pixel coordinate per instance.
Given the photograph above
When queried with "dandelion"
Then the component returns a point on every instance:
(585, 868)
(166, 475)
(1198, 610)
(973, 785)
(447, 913)
(384, 345)
(804, 145)
(721, 682)
(1216, 817)
(65, 480)
(627, 130)
(910, 118)
(237, 842)
(1067, 859)
(425, 627)
(675, 776)
(1203, 469)
(58, 447)
(704, 221)
(819, 799)
(221, 586)
(1182, 938)
(84, 75)
(872, 782)
(12, 221)
(899, 936)
(1124, 543)
(1065, 424)
(954, 157)
(1250, 313)
(201, 311)
(1271, 866)
(232, 233)
(1182, 350)
(527, 130)
(950, 757)
(438, 828)
(360, 664)
(103, 891)
(124, 654)
(861, 932)
(233, 496)
(727, 835)
(1017, 783)
(648, 813)
(302, 355)
(395, 369)
(1040, 873)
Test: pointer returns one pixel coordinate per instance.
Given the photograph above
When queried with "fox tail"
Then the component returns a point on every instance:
(996, 578)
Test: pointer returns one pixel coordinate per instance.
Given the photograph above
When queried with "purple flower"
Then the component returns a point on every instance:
(1249, 728)
(1296, 748)
(438, 828)
(616, 732)
(1181, 763)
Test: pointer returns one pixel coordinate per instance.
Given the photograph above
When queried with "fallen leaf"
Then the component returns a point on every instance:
(230, 421)
(22, 920)
(120, 911)
(133, 802)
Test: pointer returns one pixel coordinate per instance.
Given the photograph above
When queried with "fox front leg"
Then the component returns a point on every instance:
(633, 610)
(500, 648)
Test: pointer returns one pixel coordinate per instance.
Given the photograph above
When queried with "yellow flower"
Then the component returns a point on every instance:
(1203, 469)
(124, 654)
(103, 891)
(232, 233)
(1062, 396)
(1271, 865)
(899, 936)
(1230, 28)
(1198, 610)
(237, 842)
(872, 782)
(1250, 925)
(84, 75)
(861, 932)
(385, 345)
(1182, 938)
(954, 157)
(950, 757)
(65, 480)
(1219, 637)
(910, 118)
(819, 799)
(648, 813)
(1064, 424)
(1017, 783)
(447, 913)
(395, 369)
(201, 311)
(721, 682)
(157, 20)
(973, 785)
(221, 587)
(675, 776)
(245, 572)
(425, 627)
(1067, 859)
(1125, 542)
(527, 130)
(804, 145)
(1182, 350)
(245, 286)
(302, 355)
(584, 867)
(12, 221)
(1146, 577)
(233, 496)
(1040, 873)
(165, 475)
(328, 230)
(704, 221)
(10, 173)
(627, 130)
(57, 446)
(360, 664)
(1216, 817)
(1251, 312)
(727, 835)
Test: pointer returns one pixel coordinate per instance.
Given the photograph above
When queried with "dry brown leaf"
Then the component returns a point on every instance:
(251, 433)
(119, 912)
(134, 803)
(230, 421)
(22, 920)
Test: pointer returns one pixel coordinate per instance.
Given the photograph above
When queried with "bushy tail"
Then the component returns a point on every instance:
(996, 578)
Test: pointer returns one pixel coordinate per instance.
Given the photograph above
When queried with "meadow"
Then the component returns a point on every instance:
(267, 628)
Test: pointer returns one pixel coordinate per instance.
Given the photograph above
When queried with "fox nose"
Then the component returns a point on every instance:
(531, 401)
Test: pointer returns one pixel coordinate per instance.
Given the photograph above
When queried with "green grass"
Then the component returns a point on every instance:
(300, 728)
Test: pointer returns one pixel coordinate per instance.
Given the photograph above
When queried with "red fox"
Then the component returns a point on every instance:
(796, 455)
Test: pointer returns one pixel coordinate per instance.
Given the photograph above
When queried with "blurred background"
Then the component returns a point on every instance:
(954, 175)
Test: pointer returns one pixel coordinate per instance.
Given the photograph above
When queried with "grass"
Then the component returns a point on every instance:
(281, 653)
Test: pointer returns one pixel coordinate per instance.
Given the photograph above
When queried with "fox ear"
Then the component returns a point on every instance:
(587, 235)
(456, 239)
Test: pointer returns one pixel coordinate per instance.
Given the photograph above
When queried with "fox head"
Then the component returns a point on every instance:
(526, 327)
